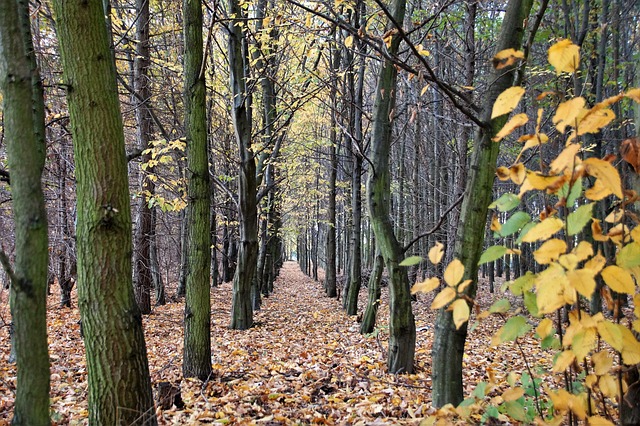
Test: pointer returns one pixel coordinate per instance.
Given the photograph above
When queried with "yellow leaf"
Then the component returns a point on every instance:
(602, 362)
(608, 385)
(443, 298)
(606, 173)
(541, 182)
(566, 159)
(543, 230)
(634, 94)
(512, 394)
(533, 141)
(611, 334)
(550, 285)
(453, 273)
(518, 172)
(544, 328)
(503, 173)
(550, 251)
(507, 101)
(599, 421)
(583, 250)
(425, 286)
(567, 113)
(516, 121)
(424, 89)
(563, 361)
(348, 42)
(595, 120)
(460, 310)
(618, 279)
(598, 191)
(463, 285)
(495, 223)
(564, 56)
(583, 281)
(583, 342)
(436, 252)
(506, 58)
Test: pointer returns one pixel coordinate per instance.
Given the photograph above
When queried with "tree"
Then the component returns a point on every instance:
(448, 345)
(24, 132)
(402, 328)
(242, 309)
(118, 373)
(197, 310)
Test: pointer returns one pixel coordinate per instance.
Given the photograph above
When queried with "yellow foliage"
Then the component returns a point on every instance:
(507, 101)
(544, 328)
(453, 273)
(602, 362)
(443, 298)
(618, 279)
(461, 312)
(564, 56)
(425, 286)
(550, 251)
(543, 230)
(566, 159)
(568, 113)
(606, 173)
(516, 121)
(436, 252)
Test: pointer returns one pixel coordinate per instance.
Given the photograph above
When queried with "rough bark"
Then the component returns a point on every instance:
(197, 311)
(402, 329)
(241, 308)
(118, 373)
(448, 346)
(371, 311)
(24, 134)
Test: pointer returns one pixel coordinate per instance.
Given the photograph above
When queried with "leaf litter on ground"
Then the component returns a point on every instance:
(303, 362)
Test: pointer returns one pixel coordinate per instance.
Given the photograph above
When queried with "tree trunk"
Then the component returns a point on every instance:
(118, 373)
(142, 279)
(402, 329)
(241, 308)
(371, 311)
(448, 346)
(24, 132)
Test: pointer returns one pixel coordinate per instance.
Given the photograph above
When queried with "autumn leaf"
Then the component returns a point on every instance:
(564, 56)
(618, 279)
(583, 281)
(602, 362)
(633, 94)
(550, 251)
(595, 120)
(436, 252)
(598, 191)
(544, 328)
(514, 122)
(443, 298)
(630, 151)
(425, 286)
(543, 230)
(348, 42)
(453, 273)
(460, 310)
(605, 173)
(567, 113)
(566, 159)
(563, 361)
(506, 58)
(512, 394)
(507, 101)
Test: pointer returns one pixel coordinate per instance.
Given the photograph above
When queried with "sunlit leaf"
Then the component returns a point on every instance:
(425, 286)
(543, 230)
(512, 394)
(567, 113)
(595, 120)
(618, 279)
(348, 42)
(611, 333)
(514, 223)
(606, 173)
(598, 191)
(514, 122)
(583, 342)
(544, 328)
(566, 159)
(461, 312)
(436, 252)
(583, 281)
(629, 256)
(507, 101)
(564, 56)
(453, 273)
(633, 94)
(602, 362)
(563, 361)
(506, 202)
(443, 298)
(549, 251)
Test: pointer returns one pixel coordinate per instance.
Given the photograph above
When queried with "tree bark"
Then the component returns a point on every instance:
(371, 311)
(448, 346)
(197, 311)
(24, 132)
(402, 329)
(118, 373)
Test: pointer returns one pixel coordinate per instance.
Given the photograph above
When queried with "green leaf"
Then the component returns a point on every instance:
(506, 202)
(628, 256)
(411, 260)
(524, 231)
(522, 283)
(514, 327)
(480, 390)
(516, 222)
(515, 410)
(531, 303)
(500, 306)
(550, 342)
(492, 253)
(579, 218)
(576, 190)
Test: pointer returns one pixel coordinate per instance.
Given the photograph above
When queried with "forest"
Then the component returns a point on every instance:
(319, 212)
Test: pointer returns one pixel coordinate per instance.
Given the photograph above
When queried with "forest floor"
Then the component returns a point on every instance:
(303, 362)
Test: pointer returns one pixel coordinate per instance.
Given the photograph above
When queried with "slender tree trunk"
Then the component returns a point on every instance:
(24, 132)
(241, 309)
(197, 311)
(371, 311)
(118, 373)
(143, 281)
(448, 346)
(402, 329)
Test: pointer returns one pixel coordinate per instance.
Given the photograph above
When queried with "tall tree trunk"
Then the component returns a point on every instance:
(371, 311)
(24, 131)
(241, 308)
(142, 279)
(118, 373)
(448, 346)
(402, 328)
(197, 310)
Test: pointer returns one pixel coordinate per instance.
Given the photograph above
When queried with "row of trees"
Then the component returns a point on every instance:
(249, 129)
